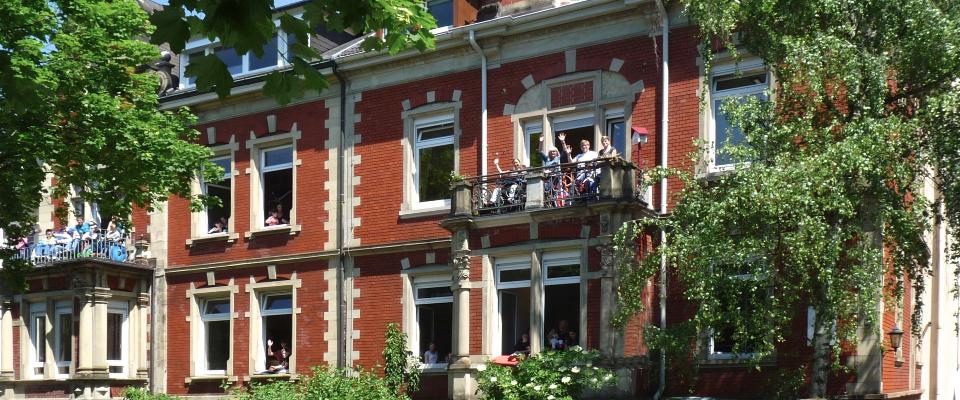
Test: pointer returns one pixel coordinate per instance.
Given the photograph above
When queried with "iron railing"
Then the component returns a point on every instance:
(556, 186)
(43, 251)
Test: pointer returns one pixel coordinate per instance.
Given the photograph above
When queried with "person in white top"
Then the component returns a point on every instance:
(430, 356)
(586, 178)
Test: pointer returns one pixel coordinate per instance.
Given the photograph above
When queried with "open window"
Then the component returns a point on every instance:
(276, 184)
(37, 329)
(215, 335)
(434, 160)
(561, 300)
(728, 83)
(577, 127)
(616, 129)
(434, 302)
(532, 132)
(63, 337)
(218, 217)
(513, 293)
(118, 347)
(276, 312)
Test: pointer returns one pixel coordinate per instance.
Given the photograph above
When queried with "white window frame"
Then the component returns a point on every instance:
(509, 263)
(62, 308)
(204, 320)
(264, 169)
(38, 310)
(426, 282)
(264, 312)
(207, 47)
(530, 127)
(122, 308)
(257, 148)
(715, 355)
(413, 120)
(749, 67)
(424, 124)
(559, 259)
(202, 226)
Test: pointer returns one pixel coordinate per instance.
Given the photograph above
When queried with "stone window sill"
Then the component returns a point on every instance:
(210, 378)
(425, 212)
(273, 230)
(279, 377)
(228, 237)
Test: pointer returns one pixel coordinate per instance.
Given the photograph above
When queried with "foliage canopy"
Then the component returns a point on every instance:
(831, 208)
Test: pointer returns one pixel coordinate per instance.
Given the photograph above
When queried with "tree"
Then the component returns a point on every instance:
(246, 25)
(74, 107)
(867, 107)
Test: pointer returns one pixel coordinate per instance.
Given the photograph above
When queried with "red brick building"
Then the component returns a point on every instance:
(337, 216)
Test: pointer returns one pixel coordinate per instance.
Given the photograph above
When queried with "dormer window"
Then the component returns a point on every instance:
(275, 54)
(442, 11)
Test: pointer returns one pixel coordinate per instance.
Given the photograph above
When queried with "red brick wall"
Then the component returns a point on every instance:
(379, 304)
(311, 175)
(568, 95)
(310, 323)
(381, 130)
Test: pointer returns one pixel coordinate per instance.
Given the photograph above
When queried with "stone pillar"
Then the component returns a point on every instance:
(92, 340)
(461, 383)
(536, 304)
(6, 339)
(462, 204)
(534, 190)
(608, 303)
(140, 341)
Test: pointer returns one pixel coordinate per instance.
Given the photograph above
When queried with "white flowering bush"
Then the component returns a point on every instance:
(550, 375)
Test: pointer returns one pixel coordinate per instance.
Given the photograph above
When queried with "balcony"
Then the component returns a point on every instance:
(556, 187)
(57, 249)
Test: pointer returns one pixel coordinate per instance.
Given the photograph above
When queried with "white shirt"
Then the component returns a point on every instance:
(430, 357)
(590, 155)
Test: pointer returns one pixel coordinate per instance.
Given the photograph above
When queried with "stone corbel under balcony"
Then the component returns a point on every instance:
(228, 237)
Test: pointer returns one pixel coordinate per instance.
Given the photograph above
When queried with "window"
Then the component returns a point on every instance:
(442, 11)
(221, 190)
(38, 339)
(561, 300)
(513, 293)
(117, 342)
(63, 337)
(434, 160)
(215, 333)
(532, 132)
(434, 302)
(737, 338)
(276, 180)
(577, 127)
(276, 311)
(275, 52)
(617, 131)
(727, 84)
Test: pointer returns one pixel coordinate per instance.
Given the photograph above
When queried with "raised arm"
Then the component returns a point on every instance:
(270, 347)
(496, 163)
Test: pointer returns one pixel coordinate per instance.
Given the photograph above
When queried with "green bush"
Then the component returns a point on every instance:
(550, 375)
(135, 393)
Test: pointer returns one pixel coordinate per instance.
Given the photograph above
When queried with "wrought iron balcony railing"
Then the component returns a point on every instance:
(45, 251)
(560, 186)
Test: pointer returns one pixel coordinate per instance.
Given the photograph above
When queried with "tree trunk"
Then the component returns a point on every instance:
(822, 336)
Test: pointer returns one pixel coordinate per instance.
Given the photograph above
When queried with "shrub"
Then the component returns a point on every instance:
(550, 375)
(135, 393)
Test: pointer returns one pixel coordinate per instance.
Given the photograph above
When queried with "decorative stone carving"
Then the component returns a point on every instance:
(607, 264)
(461, 269)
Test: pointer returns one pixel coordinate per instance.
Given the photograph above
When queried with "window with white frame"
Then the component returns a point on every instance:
(215, 336)
(433, 160)
(217, 217)
(561, 300)
(37, 328)
(276, 313)
(577, 127)
(63, 337)
(275, 54)
(726, 83)
(532, 132)
(442, 11)
(276, 184)
(616, 129)
(434, 303)
(513, 295)
(118, 332)
(736, 338)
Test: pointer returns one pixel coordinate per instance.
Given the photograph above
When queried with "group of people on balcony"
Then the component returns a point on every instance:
(558, 186)
(85, 239)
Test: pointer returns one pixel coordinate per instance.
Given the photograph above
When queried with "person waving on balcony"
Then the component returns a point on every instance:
(510, 181)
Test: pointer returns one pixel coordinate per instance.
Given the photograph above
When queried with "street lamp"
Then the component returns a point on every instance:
(896, 337)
